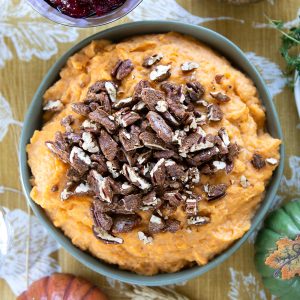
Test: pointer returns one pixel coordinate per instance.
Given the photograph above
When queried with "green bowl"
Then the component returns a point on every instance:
(33, 121)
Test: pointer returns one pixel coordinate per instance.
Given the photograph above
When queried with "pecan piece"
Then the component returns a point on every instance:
(158, 173)
(219, 96)
(151, 97)
(257, 161)
(104, 236)
(126, 117)
(194, 90)
(62, 154)
(122, 69)
(81, 108)
(173, 197)
(151, 60)
(135, 178)
(172, 225)
(151, 201)
(90, 126)
(198, 220)
(100, 186)
(89, 143)
(173, 91)
(156, 224)
(138, 90)
(125, 223)
(130, 140)
(79, 160)
(102, 117)
(203, 156)
(214, 113)
(53, 106)
(215, 191)
(160, 73)
(102, 219)
(159, 125)
(150, 140)
(98, 163)
(126, 102)
(131, 202)
(67, 122)
(189, 66)
(108, 146)
(218, 78)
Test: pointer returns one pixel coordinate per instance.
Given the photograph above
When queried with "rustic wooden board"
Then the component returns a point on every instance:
(19, 79)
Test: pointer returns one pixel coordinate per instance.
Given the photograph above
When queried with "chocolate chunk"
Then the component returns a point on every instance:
(126, 117)
(219, 96)
(122, 69)
(152, 60)
(172, 225)
(100, 186)
(218, 78)
(125, 223)
(160, 73)
(104, 236)
(81, 109)
(214, 113)
(194, 90)
(156, 224)
(108, 146)
(158, 173)
(103, 118)
(138, 90)
(150, 140)
(159, 125)
(151, 97)
(135, 178)
(216, 191)
(257, 161)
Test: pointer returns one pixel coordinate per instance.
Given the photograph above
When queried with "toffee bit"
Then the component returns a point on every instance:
(160, 73)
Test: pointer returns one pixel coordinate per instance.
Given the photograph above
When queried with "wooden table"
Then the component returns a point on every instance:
(21, 75)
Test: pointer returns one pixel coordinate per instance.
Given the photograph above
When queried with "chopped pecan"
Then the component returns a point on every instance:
(171, 120)
(233, 151)
(67, 122)
(111, 90)
(103, 118)
(156, 224)
(173, 91)
(219, 96)
(126, 102)
(73, 175)
(89, 143)
(90, 126)
(189, 66)
(81, 108)
(158, 173)
(177, 108)
(194, 90)
(135, 178)
(214, 112)
(143, 237)
(152, 60)
(176, 171)
(107, 238)
(244, 181)
(113, 168)
(122, 69)
(73, 138)
(108, 146)
(125, 223)
(257, 161)
(166, 154)
(79, 160)
(159, 125)
(218, 78)
(144, 157)
(131, 202)
(203, 156)
(173, 197)
(98, 163)
(136, 97)
(130, 140)
(151, 201)
(198, 220)
(102, 219)
(160, 73)
(125, 117)
(62, 154)
(151, 97)
(150, 140)
(100, 186)
(216, 191)
(172, 225)
(53, 106)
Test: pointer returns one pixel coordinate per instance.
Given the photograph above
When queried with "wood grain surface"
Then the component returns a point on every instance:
(20, 79)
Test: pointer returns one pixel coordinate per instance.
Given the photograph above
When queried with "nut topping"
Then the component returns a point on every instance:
(53, 105)
(219, 96)
(189, 66)
(151, 60)
(160, 73)
(257, 161)
(122, 69)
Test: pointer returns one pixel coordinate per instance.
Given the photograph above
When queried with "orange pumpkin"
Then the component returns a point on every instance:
(60, 286)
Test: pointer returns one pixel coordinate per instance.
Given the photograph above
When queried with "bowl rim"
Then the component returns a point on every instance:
(97, 265)
(52, 14)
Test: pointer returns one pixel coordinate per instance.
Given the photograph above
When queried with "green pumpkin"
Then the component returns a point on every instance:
(283, 222)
